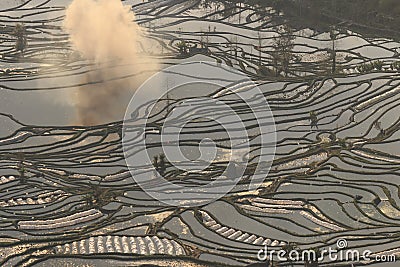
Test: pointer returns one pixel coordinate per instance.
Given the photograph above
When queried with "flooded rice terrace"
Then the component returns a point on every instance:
(67, 196)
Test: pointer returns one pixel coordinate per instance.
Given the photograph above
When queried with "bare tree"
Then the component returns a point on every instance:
(283, 49)
(259, 48)
(333, 36)
(20, 33)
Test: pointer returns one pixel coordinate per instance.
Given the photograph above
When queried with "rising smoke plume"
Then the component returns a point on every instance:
(105, 32)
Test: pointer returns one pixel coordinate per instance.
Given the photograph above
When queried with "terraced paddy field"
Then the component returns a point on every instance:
(67, 196)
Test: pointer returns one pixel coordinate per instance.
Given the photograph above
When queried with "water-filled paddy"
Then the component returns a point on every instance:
(67, 197)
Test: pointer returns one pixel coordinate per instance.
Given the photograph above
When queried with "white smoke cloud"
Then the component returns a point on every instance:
(105, 31)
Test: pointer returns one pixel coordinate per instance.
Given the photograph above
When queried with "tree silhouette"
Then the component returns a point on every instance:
(283, 49)
(333, 36)
(313, 119)
(20, 33)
